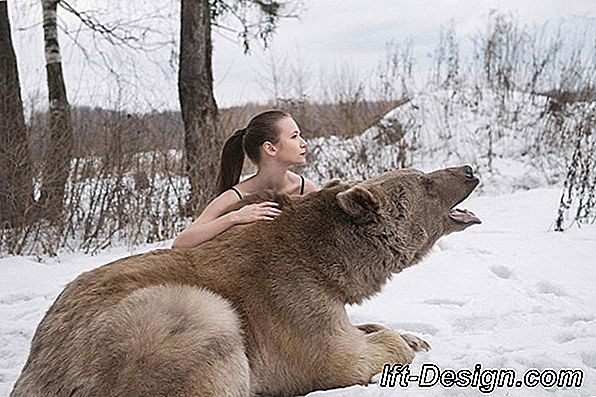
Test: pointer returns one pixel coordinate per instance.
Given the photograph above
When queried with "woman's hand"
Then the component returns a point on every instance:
(265, 211)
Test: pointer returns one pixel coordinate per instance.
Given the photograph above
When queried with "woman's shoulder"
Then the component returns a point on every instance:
(310, 186)
(219, 204)
(228, 196)
(305, 185)
(244, 188)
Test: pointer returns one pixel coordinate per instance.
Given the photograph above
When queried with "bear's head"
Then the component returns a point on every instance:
(354, 235)
(409, 210)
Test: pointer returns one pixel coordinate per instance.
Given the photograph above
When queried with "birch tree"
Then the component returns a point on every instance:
(16, 189)
(59, 149)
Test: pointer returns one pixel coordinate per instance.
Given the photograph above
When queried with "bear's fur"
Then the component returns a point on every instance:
(258, 310)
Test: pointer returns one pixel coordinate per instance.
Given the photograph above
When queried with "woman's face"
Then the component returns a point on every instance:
(290, 145)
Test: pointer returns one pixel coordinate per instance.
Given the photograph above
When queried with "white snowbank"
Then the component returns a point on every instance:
(504, 140)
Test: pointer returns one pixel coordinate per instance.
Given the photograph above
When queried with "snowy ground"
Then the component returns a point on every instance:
(507, 294)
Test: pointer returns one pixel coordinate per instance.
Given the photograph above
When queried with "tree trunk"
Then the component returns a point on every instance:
(197, 103)
(59, 150)
(16, 187)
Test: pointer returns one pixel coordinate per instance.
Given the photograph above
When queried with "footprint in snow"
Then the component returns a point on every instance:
(444, 302)
(501, 271)
(589, 359)
(545, 287)
(564, 338)
(579, 318)
(16, 298)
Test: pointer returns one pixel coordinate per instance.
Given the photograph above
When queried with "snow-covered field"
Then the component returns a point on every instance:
(509, 293)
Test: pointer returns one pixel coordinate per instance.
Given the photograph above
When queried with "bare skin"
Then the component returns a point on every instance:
(273, 174)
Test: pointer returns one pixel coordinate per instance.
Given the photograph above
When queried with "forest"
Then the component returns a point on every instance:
(83, 178)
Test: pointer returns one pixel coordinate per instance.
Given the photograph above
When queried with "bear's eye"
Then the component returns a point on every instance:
(428, 184)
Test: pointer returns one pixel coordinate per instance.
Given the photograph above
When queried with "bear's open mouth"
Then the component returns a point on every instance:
(463, 216)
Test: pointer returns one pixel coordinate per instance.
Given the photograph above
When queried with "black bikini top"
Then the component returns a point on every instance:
(301, 188)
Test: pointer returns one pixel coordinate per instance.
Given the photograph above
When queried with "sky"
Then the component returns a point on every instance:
(331, 38)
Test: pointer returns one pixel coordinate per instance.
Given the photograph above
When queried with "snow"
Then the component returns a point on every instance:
(507, 145)
(509, 293)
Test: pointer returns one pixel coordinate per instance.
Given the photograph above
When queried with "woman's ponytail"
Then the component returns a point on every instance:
(232, 159)
(261, 128)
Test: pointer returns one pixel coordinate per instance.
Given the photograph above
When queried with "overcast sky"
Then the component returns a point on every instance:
(329, 36)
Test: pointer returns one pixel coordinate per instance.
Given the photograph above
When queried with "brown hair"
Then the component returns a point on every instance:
(261, 128)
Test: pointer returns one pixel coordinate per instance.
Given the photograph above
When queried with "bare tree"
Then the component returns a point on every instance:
(59, 150)
(197, 103)
(274, 79)
(16, 189)
(195, 79)
(577, 204)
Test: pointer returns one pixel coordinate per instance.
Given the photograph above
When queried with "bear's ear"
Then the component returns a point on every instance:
(332, 183)
(339, 183)
(359, 203)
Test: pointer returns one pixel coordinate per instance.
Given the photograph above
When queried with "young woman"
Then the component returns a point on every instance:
(272, 141)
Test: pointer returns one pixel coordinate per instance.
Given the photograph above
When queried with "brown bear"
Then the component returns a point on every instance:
(258, 310)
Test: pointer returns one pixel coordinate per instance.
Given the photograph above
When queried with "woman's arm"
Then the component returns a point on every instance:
(211, 222)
